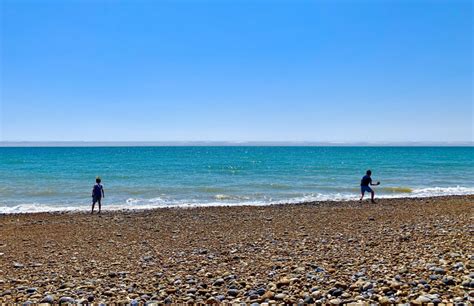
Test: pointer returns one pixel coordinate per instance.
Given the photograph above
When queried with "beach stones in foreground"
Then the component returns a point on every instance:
(419, 255)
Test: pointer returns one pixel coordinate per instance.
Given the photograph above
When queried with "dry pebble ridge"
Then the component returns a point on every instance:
(418, 251)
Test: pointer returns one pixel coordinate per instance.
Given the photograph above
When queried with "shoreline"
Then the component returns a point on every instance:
(396, 251)
(86, 209)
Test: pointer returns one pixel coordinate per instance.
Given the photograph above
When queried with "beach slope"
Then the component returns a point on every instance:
(399, 250)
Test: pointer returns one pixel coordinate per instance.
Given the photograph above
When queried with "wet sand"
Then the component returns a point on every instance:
(396, 251)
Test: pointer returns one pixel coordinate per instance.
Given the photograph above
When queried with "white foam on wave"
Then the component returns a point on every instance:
(159, 202)
(441, 191)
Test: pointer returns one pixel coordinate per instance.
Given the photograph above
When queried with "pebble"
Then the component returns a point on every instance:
(261, 291)
(280, 296)
(268, 295)
(31, 290)
(367, 286)
(316, 294)
(336, 292)
(66, 300)
(449, 281)
(218, 282)
(47, 299)
(283, 282)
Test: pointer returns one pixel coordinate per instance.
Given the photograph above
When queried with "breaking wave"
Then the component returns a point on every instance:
(232, 200)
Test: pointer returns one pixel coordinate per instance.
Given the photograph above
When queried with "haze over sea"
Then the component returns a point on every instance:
(34, 179)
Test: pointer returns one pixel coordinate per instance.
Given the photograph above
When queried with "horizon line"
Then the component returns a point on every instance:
(80, 143)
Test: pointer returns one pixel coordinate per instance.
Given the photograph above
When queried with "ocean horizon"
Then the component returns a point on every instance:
(39, 179)
(212, 143)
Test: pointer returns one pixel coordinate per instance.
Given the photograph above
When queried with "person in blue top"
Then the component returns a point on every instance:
(364, 186)
(97, 194)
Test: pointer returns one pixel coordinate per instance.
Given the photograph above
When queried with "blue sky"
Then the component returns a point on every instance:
(236, 70)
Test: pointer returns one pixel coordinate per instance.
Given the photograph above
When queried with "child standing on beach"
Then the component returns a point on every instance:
(364, 186)
(97, 194)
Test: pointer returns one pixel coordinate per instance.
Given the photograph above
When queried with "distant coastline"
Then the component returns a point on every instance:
(233, 143)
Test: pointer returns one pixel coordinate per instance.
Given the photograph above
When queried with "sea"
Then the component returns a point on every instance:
(41, 179)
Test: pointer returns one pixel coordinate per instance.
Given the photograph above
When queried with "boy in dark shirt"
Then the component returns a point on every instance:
(97, 194)
(364, 186)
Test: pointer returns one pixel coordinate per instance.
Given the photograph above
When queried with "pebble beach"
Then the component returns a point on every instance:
(418, 250)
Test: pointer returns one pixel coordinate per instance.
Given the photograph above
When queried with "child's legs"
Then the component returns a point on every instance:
(93, 204)
(100, 204)
(362, 194)
(372, 193)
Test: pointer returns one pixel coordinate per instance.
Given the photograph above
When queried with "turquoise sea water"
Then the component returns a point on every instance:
(47, 179)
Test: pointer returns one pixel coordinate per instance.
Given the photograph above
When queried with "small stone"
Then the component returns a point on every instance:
(147, 258)
(367, 286)
(6, 292)
(335, 302)
(336, 292)
(171, 290)
(283, 282)
(254, 296)
(316, 294)
(31, 290)
(261, 291)
(66, 300)
(218, 282)
(308, 300)
(211, 300)
(268, 295)
(280, 296)
(233, 292)
(66, 285)
(192, 290)
(449, 281)
(17, 265)
(47, 299)
(423, 299)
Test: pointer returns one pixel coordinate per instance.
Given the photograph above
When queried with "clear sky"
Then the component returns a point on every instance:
(236, 70)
